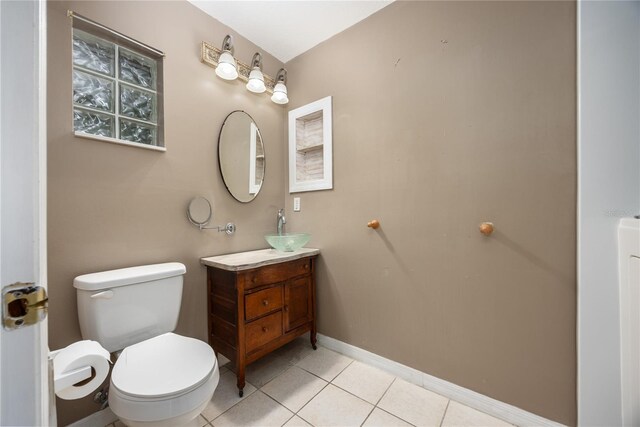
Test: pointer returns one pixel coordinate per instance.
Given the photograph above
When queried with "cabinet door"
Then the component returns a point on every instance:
(297, 300)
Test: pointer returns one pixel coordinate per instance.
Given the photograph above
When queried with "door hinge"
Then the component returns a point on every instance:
(23, 304)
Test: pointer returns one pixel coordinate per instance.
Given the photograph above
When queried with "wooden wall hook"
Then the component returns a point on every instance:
(374, 223)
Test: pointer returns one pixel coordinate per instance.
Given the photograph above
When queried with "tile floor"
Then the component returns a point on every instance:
(296, 386)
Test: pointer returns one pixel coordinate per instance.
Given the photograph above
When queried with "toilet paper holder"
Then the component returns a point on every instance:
(62, 380)
(73, 377)
(79, 369)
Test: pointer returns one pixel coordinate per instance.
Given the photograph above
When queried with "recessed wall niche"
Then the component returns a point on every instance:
(310, 147)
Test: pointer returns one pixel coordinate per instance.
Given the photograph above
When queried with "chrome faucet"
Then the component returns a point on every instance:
(281, 222)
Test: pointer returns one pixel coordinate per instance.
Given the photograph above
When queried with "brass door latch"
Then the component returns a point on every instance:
(23, 304)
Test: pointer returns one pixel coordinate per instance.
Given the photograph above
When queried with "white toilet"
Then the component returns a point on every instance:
(160, 378)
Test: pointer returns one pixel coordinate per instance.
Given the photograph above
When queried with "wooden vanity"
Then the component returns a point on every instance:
(258, 301)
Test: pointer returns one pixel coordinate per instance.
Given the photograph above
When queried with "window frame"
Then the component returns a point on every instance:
(117, 82)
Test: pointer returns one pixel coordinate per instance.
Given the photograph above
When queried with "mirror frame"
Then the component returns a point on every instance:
(264, 173)
(200, 225)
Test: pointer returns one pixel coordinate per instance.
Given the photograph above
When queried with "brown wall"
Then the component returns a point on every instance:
(447, 114)
(111, 206)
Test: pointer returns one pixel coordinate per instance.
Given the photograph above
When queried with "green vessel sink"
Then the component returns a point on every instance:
(287, 242)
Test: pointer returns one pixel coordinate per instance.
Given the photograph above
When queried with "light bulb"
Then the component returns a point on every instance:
(256, 81)
(280, 94)
(226, 68)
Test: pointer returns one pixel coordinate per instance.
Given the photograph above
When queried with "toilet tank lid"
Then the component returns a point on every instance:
(128, 276)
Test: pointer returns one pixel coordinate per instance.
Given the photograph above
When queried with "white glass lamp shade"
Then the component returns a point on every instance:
(227, 68)
(280, 94)
(256, 81)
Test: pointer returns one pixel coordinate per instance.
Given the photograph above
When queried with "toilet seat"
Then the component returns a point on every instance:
(163, 377)
(163, 366)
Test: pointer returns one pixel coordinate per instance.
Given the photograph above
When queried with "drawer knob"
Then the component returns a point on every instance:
(264, 329)
(306, 266)
(254, 279)
(265, 302)
(286, 308)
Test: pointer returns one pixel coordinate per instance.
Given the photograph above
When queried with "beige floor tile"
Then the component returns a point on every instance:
(202, 421)
(414, 404)
(335, 407)
(324, 363)
(296, 421)
(364, 381)
(463, 416)
(256, 410)
(119, 424)
(226, 395)
(296, 350)
(264, 370)
(294, 388)
(222, 361)
(380, 418)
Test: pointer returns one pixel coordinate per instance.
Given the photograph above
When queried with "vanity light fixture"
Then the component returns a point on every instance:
(280, 90)
(227, 68)
(256, 78)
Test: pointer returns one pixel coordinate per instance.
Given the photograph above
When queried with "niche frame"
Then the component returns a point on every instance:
(311, 147)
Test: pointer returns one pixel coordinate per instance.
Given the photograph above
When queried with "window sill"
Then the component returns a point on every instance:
(118, 141)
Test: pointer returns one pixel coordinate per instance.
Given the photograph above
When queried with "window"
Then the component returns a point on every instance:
(116, 94)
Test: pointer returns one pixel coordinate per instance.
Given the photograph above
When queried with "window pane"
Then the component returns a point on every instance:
(92, 53)
(137, 132)
(137, 104)
(137, 69)
(93, 123)
(91, 91)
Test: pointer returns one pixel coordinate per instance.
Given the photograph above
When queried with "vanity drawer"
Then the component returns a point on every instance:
(262, 302)
(261, 331)
(276, 273)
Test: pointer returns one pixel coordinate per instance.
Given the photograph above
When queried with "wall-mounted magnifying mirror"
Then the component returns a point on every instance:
(200, 213)
(241, 156)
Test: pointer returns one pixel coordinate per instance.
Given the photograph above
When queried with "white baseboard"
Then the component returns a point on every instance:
(475, 400)
(97, 419)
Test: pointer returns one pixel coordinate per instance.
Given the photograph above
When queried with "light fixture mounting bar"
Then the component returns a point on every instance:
(209, 56)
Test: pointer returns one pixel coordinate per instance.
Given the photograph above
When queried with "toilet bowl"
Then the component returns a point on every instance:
(159, 378)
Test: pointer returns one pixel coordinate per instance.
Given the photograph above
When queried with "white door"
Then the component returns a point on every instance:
(24, 396)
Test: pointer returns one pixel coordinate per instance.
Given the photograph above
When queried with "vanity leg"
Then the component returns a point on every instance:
(312, 336)
(240, 378)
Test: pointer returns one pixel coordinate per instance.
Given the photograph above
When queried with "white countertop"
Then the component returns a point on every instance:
(253, 259)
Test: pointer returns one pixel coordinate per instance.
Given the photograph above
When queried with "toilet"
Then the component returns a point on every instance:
(159, 378)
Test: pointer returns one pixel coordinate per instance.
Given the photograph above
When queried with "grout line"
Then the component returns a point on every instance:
(277, 376)
(394, 415)
(329, 381)
(444, 414)
(289, 419)
(302, 407)
(368, 415)
(354, 395)
(387, 390)
(242, 399)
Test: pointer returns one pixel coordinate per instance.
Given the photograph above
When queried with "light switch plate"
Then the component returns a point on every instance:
(296, 204)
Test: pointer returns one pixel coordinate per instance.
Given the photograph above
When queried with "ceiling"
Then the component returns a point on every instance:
(286, 29)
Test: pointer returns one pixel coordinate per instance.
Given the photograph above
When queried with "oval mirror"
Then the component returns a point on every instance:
(199, 212)
(241, 156)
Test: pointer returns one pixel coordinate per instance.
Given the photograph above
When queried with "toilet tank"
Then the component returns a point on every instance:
(122, 307)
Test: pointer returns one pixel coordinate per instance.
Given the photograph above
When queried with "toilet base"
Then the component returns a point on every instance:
(190, 419)
(152, 410)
